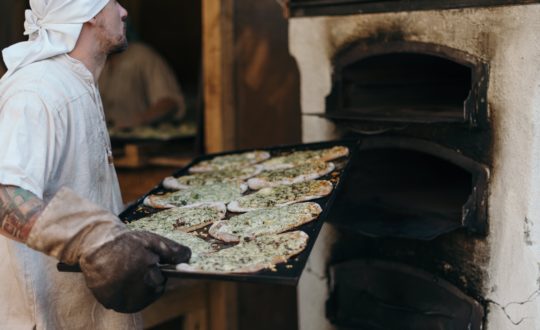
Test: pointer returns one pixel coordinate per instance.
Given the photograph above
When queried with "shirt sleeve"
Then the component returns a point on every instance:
(27, 139)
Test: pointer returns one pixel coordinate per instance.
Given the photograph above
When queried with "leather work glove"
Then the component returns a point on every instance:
(120, 266)
(123, 274)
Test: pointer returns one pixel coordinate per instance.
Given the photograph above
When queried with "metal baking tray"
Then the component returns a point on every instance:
(285, 273)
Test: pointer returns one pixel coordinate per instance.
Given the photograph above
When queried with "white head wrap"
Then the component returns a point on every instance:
(53, 27)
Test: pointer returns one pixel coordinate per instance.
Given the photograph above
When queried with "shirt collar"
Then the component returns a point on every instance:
(78, 67)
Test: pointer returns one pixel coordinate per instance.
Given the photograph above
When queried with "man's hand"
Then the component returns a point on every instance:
(123, 274)
(161, 111)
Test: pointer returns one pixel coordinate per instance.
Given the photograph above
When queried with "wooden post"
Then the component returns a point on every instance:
(219, 127)
(187, 300)
(223, 301)
(218, 63)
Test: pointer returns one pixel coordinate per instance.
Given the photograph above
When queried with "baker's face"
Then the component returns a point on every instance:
(111, 25)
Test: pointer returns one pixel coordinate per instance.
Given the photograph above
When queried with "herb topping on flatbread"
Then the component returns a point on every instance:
(265, 221)
(230, 161)
(200, 179)
(184, 219)
(299, 157)
(250, 256)
(308, 171)
(199, 247)
(199, 195)
(281, 195)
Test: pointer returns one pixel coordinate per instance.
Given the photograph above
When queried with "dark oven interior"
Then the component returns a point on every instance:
(410, 82)
(410, 188)
(427, 87)
(392, 296)
(412, 213)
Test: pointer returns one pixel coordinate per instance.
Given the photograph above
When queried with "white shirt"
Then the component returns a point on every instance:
(52, 134)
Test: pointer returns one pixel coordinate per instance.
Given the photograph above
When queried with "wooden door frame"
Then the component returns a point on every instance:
(218, 71)
(219, 126)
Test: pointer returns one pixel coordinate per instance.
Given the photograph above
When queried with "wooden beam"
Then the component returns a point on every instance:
(223, 313)
(187, 300)
(218, 62)
(219, 127)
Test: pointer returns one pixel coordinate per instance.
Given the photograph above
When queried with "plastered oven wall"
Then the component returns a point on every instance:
(508, 38)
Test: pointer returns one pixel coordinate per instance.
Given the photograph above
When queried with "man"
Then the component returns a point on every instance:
(139, 88)
(58, 187)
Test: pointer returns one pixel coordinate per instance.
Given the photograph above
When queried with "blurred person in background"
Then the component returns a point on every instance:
(139, 88)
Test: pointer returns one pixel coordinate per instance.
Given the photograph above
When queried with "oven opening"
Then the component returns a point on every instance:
(406, 86)
(407, 82)
(376, 294)
(397, 192)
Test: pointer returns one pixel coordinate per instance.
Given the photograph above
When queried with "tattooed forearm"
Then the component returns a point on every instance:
(19, 209)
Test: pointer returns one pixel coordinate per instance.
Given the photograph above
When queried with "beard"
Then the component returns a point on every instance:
(110, 44)
(118, 47)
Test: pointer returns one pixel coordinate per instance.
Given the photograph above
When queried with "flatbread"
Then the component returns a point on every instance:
(200, 179)
(250, 256)
(196, 196)
(198, 246)
(281, 195)
(308, 171)
(265, 221)
(299, 157)
(183, 219)
(230, 161)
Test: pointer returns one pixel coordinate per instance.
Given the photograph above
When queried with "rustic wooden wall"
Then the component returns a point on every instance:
(249, 75)
(266, 77)
(218, 68)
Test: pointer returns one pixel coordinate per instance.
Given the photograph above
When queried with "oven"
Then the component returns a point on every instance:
(434, 227)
